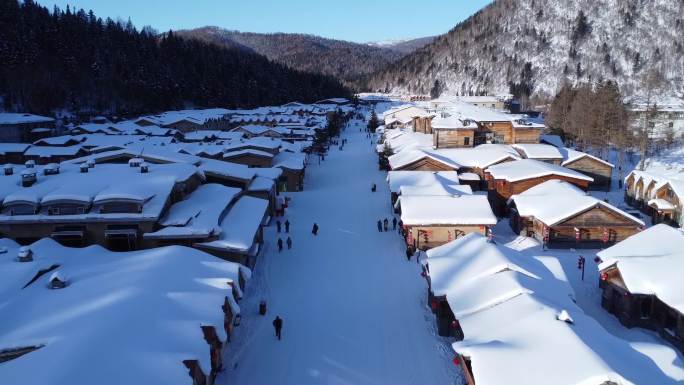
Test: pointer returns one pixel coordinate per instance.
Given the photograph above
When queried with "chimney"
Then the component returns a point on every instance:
(25, 254)
(144, 168)
(28, 177)
(84, 168)
(9, 169)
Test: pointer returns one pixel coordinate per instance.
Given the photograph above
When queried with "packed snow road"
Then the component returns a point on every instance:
(353, 307)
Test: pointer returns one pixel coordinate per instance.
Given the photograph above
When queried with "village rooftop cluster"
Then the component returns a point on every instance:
(457, 167)
(183, 194)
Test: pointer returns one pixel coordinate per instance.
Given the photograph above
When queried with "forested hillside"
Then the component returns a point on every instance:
(342, 59)
(534, 46)
(73, 60)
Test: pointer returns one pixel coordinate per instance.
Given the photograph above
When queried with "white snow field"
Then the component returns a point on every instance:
(354, 308)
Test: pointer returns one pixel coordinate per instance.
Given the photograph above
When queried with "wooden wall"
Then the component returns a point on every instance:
(600, 171)
(442, 138)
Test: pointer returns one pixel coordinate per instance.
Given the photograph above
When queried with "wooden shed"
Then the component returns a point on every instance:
(641, 282)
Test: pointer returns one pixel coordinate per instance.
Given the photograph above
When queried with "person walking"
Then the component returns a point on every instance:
(280, 244)
(379, 225)
(409, 253)
(394, 223)
(278, 225)
(289, 243)
(373, 188)
(314, 230)
(278, 326)
(385, 224)
(287, 225)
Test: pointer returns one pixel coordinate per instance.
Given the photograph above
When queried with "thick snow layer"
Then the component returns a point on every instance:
(651, 262)
(538, 151)
(407, 157)
(529, 168)
(397, 179)
(198, 214)
(512, 308)
(447, 210)
(555, 201)
(570, 156)
(436, 189)
(22, 118)
(240, 226)
(122, 318)
(101, 183)
(353, 307)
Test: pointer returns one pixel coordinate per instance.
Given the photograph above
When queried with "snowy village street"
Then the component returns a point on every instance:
(354, 308)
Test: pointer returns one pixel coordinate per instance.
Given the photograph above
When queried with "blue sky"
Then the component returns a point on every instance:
(355, 20)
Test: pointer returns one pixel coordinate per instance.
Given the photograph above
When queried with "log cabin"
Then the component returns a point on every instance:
(510, 178)
(589, 165)
(560, 215)
(501, 307)
(431, 221)
(666, 202)
(641, 282)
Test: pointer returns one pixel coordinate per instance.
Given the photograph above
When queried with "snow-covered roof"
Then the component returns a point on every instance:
(447, 210)
(97, 328)
(651, 262)
(555, 201)
(554, 140)
(198, 214)
(512, 309)
(13, 147)
(48, 151)
(22, 118)
(240, 226)
(538, 151)
(397, 179)
(570, 156)
(529, 168)
(452, 122)
(436, 189)
(290, 160)
(471, 258)
(409, 156)
(104, 182)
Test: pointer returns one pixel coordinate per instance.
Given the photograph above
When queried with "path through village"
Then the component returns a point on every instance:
(354, 308)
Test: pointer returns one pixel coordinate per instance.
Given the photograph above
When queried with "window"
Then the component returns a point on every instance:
(670, 125)
(466, 141)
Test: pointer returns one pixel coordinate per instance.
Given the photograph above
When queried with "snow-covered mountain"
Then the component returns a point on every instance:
(536, 44)
(404, 46)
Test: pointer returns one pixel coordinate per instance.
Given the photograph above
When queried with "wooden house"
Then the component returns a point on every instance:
(249, 157)
(510, 178)
(641, 282)
(666, 202)
(453, 132)
(19, 127)
(431, 221)
(595, 167)
(561, 215)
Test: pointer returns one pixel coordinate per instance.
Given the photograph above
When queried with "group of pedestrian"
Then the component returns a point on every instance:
(288, 241)
(383, 225)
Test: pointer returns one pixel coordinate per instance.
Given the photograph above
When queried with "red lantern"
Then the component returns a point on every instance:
(598, 260)
(605, 235)
(455, 324)
(604, 277)
(434, 304)
(577, 234)
(456, 361)
(423, 274)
